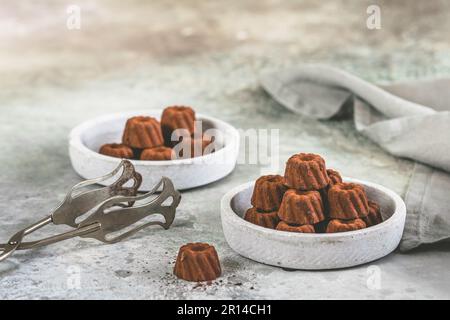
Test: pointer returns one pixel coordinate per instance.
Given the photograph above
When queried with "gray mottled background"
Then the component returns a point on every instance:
(138, 54)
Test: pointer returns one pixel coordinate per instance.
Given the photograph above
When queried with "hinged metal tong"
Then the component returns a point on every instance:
(109, 211)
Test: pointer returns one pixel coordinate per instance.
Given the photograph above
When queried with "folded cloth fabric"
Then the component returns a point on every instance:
(410, 120)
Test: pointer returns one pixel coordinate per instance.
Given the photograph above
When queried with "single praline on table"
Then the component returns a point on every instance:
(197, 262)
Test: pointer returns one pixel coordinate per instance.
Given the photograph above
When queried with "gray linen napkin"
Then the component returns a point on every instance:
(410, 120)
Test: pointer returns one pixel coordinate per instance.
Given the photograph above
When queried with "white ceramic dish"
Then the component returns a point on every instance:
(313, 251)
(86, 139)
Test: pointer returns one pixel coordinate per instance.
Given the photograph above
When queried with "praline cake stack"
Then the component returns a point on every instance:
(310, 199)
(145, 138)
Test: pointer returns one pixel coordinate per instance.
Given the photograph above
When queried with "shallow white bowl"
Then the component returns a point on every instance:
(85, 140)
(311, 251)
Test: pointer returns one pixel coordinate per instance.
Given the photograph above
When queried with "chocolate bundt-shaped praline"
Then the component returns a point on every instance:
(306, 171)
(337, 225)
(197, 262)
(301, 207)
(116, 150)
(268, 192)
(142, 132)
(374, 216)
(177, 117)
(347, 201)
(334, 177)
(262, 219)
(157, 154)
(306, 228)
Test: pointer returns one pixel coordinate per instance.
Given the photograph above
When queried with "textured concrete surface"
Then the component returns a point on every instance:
(132, 55)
